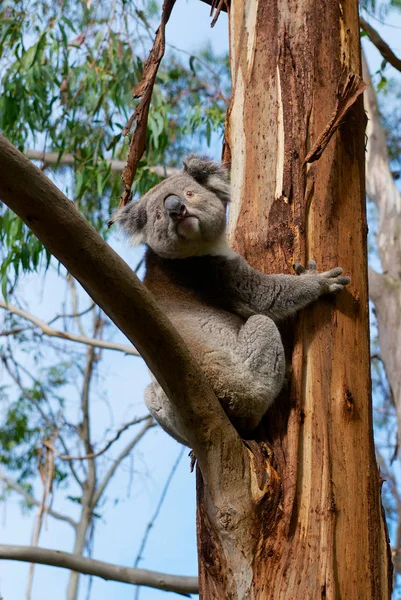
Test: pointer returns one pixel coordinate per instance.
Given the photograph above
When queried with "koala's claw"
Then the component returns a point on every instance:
(331, 281)
(309, 270)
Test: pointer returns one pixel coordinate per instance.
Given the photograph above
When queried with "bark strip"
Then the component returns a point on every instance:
(349, 89)
(143, 91)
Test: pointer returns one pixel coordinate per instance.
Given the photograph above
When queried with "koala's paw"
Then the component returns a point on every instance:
(331, 282)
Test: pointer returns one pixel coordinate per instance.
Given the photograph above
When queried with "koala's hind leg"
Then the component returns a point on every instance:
(245, 368)
(163, 411)
(261, 349)
(254, 375)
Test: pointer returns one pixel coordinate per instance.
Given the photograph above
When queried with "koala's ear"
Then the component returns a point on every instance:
(210, 174)
(132, 219)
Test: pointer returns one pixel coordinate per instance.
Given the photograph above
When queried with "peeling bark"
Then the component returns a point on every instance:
(311, 525)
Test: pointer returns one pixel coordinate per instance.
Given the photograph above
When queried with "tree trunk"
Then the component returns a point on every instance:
(313, 527)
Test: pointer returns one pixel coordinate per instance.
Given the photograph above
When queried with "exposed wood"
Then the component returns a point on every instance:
(313, 527)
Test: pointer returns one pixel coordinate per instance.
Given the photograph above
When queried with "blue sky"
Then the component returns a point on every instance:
(171, 546)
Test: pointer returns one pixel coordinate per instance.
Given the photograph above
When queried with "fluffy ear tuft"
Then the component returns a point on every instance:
(201, 167)
(132, 219)
(210, 174)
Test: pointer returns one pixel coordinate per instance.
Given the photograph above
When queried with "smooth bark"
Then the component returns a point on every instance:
(52, 332)
(89, 566)
(385, 287)
(313, 527)
(49, 159)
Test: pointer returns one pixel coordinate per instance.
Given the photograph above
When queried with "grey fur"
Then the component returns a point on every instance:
(225, 310)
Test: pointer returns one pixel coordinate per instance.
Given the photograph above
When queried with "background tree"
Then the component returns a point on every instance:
(28, 253)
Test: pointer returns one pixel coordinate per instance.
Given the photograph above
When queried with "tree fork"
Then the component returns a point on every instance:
(314, 527)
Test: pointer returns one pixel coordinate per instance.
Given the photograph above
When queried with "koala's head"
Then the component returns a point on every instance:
(184, 215)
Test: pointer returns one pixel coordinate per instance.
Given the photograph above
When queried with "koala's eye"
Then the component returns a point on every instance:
(158, 215)
(189, 193)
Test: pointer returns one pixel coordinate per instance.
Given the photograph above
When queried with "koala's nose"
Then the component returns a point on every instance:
(175, 207)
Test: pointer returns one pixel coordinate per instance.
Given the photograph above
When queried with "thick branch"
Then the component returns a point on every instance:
(89, 566)
(52, 332)
(380, 44)
(31, 500)
(69, 160)
(118, 291)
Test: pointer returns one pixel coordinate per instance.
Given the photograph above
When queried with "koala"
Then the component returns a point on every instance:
(225, 310)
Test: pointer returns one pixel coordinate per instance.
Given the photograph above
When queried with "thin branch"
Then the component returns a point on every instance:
(50, 421)
(99, 452)
(26, 393)
(46, 472)
(73, 315)
(69, 160)
(52, 332)
(97, 495)
(88, 566)
(156, 514)
(84, 429)
(74, 297)
(31, 500)
(380, 44)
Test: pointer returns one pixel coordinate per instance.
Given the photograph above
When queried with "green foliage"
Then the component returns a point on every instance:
(68, 71)
(30, 416)
(382, 8)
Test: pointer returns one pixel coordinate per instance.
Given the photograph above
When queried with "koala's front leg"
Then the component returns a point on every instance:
(280, 296)
(295, 292)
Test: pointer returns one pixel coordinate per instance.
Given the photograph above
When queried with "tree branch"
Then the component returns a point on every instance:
(69, 160)
(31, 500)
(153, 518)
(98, 493)
(49, 420)
(88, 566)
(99, 452)
(380, 44)
(54, 219)
(52, 332)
